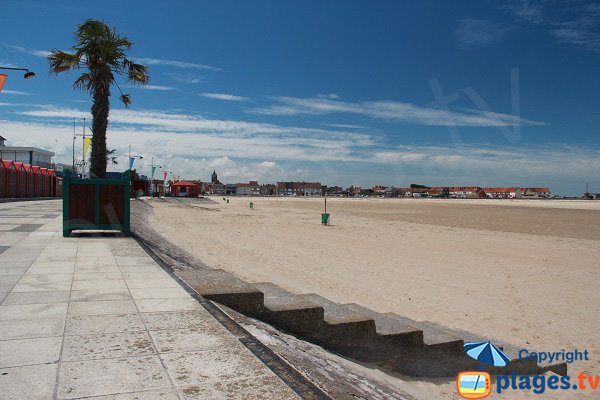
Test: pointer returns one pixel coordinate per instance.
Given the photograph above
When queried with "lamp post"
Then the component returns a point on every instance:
(152, 169)
(28, 74)
(166, 173)
(82, 148)
(131, 158)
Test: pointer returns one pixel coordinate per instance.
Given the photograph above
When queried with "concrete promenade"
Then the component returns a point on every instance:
(97, 318)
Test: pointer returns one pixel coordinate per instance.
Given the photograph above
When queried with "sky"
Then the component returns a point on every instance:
(346, 93)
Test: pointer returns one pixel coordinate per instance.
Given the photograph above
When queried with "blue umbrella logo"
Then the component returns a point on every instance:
(487, 353)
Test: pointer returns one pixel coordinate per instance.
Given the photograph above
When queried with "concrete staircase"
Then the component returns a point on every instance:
(393, 342)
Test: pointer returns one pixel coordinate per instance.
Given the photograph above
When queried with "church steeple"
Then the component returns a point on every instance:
(214, 178)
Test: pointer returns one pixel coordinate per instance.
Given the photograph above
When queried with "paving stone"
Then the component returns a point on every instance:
(10, 279)
(194, 339)
(99, 284)
(61, 296)
(33, 382)
(107, 345)
(6, 287)
(12, 271)
(157, 305)
(42, 287)
(102, 307)
(100, 295)
(159, 394)
(90, 324)
(93, 276)
(179, 320)
(48, 277)
(31, 328)
(195, 368)
(62, 268)
(261, 387)
(165, 282)
(110, 376)
(25, 311)
(159, 293)
(19, 352)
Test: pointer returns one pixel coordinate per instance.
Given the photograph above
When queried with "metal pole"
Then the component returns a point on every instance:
(74, 137)
(151, 177)
(83, 152)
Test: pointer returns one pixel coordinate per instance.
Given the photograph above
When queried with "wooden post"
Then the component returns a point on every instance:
(66, 202)
(126, 177)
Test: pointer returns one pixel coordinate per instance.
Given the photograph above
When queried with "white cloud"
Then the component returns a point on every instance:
(155, 87)
(7, 65)
(186, 78)
(224, 96)
(239, 153)
(573, 23)
(15, 92)
(472, 32)
(391, 110)
(224, 136)
(346, 126)
(331, 96)
(37, 53)
(174, 63)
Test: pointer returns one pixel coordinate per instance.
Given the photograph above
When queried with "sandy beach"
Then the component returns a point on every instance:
(524, 272)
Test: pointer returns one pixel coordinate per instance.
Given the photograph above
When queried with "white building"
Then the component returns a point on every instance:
(26, 155)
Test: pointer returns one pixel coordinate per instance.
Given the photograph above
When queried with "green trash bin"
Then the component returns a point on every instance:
(251, 205)
(325, 218)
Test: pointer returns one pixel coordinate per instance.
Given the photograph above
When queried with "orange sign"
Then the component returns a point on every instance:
(2, 80)
(473, 385)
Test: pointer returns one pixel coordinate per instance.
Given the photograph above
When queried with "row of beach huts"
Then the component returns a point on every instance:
(19, 180)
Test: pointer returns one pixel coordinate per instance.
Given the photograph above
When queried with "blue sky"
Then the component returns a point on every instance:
(344, 92)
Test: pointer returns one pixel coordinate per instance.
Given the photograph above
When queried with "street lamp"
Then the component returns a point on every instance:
(131, 158)
(28, 74)
(152, 169)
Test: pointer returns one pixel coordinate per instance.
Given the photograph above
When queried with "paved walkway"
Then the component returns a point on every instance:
(98, 318)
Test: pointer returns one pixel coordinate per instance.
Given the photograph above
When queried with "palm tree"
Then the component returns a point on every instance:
(101, 52)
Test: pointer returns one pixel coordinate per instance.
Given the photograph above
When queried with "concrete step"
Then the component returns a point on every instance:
(520, 366)
(390, 331)
(433, 338)
(225, 288)
(337, 314)
(289, 311)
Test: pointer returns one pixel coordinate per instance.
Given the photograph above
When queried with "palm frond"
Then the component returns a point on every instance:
(61, 61)
(84, 82)
(126, 100)
(137, 74)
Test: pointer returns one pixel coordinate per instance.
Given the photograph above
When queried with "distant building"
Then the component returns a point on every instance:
(184, 189)
(535, 192)
(503, 193)
(248, 189)
(334, 190)
(268, 190)
(299, 188)
(214, 178)
(231, 189)
(26, 155)
(379, 190)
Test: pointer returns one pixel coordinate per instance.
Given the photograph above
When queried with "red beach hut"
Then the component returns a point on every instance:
(45, 182)
(30, 180)
(2, 180)
(38, 181)
(11, 179)
(184, 189)
(21, 179)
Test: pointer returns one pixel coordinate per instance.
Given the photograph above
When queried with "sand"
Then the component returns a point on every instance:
(521, 271)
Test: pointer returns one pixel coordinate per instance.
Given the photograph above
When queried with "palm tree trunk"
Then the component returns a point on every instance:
(100, 110)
